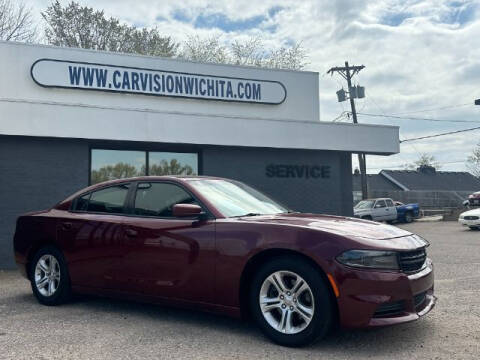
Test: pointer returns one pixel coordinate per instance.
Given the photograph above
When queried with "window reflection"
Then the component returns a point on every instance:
(168, 163)
(118, 164)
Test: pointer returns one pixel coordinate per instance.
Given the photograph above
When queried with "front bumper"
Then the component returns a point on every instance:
(465, 222)
(374, 298)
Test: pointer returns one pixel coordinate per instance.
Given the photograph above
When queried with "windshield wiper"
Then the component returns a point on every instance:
(248, 214)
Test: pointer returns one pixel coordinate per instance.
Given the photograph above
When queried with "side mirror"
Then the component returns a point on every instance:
(186, 210)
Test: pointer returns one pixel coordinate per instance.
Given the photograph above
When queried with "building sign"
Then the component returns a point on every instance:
(122, 79)
(298, 171)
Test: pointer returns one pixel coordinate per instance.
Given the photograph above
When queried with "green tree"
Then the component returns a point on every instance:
(170, 168)
(110, 172)
(84, 27)
(473, 161)
(424, 160)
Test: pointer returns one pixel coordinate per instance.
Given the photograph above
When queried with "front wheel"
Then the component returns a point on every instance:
(408, 217)
(49, 277)
(290, 302)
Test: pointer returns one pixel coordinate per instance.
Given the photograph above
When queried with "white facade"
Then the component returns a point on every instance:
(26, 108)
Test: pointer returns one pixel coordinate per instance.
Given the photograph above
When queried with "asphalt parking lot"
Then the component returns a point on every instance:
(94, 328)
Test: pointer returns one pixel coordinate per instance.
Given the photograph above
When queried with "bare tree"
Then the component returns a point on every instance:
(84, 27)
(16, 22)
(473, 161)
(250, 52)
(207, 49)
(423, 160)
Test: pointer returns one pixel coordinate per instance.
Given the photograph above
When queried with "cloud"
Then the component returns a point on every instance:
(417, 54)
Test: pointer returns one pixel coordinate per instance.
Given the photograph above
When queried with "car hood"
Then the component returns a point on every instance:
(474, 212)
(343, 226)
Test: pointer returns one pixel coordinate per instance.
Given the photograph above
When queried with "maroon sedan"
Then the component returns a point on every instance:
(218, 245)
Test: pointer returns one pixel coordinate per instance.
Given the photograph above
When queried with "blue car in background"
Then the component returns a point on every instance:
(406, 213)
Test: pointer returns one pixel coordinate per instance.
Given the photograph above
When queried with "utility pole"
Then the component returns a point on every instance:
(347, 72)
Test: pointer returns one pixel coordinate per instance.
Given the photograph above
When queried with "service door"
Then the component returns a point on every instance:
(167, 256)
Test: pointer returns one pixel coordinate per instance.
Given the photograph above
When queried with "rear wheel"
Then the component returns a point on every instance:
(49, 277)
(290, 302)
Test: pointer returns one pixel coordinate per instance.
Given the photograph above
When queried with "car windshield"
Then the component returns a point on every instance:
(233, 198)
(365, 204)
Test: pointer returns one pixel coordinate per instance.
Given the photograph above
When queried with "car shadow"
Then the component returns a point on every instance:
(377, 340)
(388, 340)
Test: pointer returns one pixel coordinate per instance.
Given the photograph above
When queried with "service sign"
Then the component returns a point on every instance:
(121, 79)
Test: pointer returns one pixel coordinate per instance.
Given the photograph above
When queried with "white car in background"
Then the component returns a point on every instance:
(382, 209)
(470, 218)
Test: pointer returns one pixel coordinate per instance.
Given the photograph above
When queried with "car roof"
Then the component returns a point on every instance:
(137, 178)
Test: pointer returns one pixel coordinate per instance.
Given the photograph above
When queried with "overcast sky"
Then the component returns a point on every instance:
(418, 55)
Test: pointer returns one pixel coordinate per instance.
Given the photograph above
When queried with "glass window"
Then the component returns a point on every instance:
(82, 203)
(116, 164)
(109, 200)
(157, 199)
(380, 204)
(169, 163)
(365, 204)
(389, 203)
(232, 198)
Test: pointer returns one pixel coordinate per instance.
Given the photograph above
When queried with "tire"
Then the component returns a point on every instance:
(54, 288)
(368, 217)
(318, 313)
(408, 217)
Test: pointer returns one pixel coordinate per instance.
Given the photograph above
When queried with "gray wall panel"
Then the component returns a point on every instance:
(332, 195)
(36, 173)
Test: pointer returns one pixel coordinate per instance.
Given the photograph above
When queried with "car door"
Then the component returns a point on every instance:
(92, 236)
(391, 210)
(167, 256)
(379, 211)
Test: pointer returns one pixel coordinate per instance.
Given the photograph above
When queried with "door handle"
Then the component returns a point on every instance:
(66, 225)
(131, 232)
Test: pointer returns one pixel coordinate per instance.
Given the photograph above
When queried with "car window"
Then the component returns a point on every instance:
(81, 204)
(380, 204)
(389, 203)
(110, 200)
(157, 199)
(365, 204)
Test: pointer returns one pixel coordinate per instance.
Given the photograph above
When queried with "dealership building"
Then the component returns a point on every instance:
(73, 117)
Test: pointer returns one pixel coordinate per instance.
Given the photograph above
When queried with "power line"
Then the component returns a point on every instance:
(418, 118)
(433, 109)
(442, 134)
(342, 114)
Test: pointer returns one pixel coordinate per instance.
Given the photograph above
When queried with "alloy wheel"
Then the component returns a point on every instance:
(47, 275)
(286, 302)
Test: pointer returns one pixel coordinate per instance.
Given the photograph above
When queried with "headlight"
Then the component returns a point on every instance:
(424, 241)
(370, 259)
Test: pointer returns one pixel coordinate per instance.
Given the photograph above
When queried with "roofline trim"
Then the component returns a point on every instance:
(396, 182)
